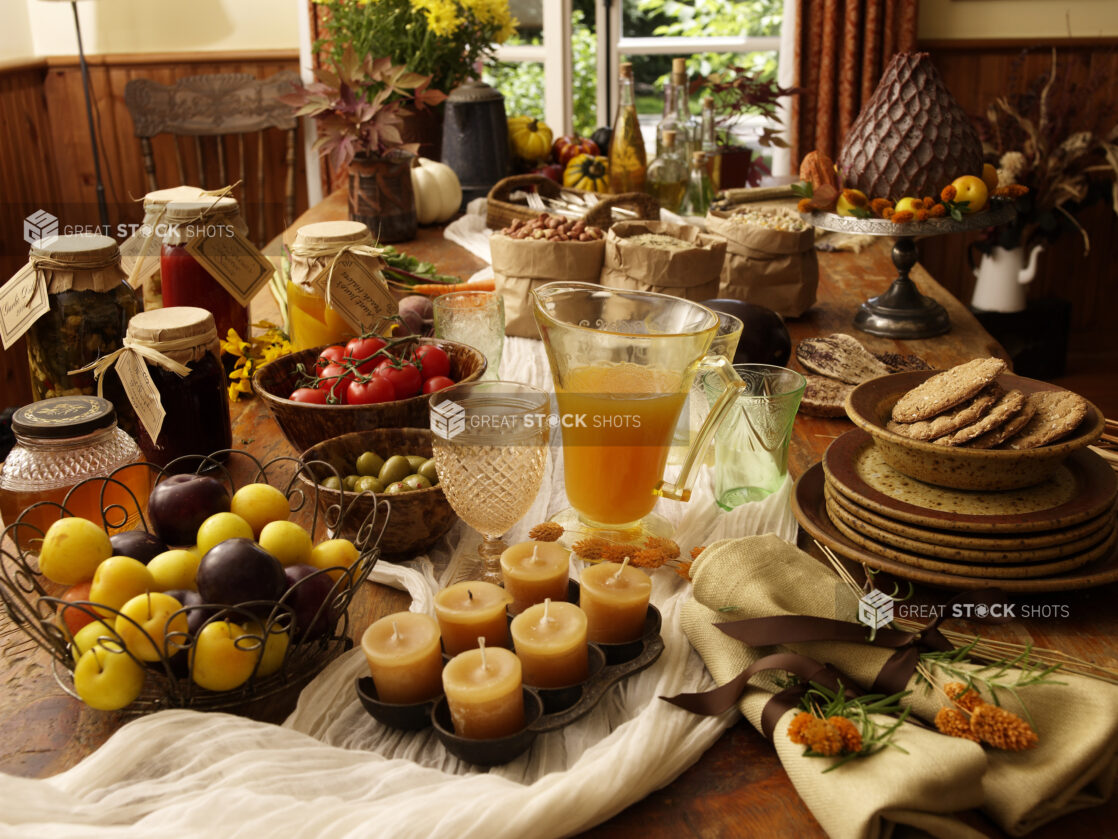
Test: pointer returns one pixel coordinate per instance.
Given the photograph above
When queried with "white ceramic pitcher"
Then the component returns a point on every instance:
(1002, 279)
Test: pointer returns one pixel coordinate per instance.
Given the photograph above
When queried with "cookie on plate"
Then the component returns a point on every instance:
(824, 397)
(1058, 412)
(947, 389)
(898, 363)
(839, 356)
(1009, 405)
(1010, 427)
(950, 420)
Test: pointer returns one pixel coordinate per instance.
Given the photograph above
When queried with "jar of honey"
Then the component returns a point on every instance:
(185, 381)
(184, 281)
(63, 446)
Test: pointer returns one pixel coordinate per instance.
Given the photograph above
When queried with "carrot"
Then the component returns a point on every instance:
(435, 289)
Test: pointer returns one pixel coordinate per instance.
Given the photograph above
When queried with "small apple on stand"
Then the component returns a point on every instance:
(179, 504)
(107, 678)
(117, 580)
(217, 661)
(152, 625)
(72, 549)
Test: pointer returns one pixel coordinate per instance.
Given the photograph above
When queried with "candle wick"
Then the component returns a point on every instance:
(617, 574)
(481, 645)
(469, 594)
(535, 553)
(395, 631)
(546, 608)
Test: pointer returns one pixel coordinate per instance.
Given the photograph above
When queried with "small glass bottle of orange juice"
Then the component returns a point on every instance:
(316, 282)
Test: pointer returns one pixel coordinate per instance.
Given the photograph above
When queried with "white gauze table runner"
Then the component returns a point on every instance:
(331, 770)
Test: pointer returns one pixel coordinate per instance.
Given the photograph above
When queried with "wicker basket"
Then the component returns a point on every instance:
(501, 212)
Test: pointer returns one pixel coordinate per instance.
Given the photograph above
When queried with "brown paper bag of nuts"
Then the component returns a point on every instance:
(662, 257)
(528, 254)
(770, 258)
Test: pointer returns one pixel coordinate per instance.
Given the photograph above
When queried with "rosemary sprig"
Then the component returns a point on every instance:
(825, 703)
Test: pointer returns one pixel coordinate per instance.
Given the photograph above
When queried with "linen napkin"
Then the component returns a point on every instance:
(1074, 765)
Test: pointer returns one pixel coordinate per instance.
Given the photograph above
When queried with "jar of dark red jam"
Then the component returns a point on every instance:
(184, 281)
(190, 381)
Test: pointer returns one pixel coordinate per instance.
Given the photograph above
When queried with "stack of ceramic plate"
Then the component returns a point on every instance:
(1056, 535)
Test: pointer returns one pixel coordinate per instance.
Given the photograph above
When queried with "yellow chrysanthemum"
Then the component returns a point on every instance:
(442, 16)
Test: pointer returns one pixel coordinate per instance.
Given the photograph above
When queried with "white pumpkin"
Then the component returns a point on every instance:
(438, 194)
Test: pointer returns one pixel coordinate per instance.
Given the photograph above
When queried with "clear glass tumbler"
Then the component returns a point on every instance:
(476, 318)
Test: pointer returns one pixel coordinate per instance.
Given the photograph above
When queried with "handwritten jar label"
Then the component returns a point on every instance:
(23, 299)
(232, 260)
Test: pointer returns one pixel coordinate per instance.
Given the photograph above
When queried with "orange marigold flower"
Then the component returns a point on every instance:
(548, 531)
(965, 697)
(887, 213)
(854, 197)
(804, 205)
(822, 737)
(698, 549)
(954, 723)
(921, 214)
(879, 205)
(1011, 191)
(902, 217)
(796, 727)
(851, 736)
(929, 202)
(948, 193)
(937, 211)
(1002, 729)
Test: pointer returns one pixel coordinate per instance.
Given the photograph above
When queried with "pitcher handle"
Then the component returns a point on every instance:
(733, 385)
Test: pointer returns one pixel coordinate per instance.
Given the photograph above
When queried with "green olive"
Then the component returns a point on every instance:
(416, 461)
(369, 463)
(417, 482)
(332, 483)
(396, 488)
(396, 468)
(367, 483)
(349, 482)
(428, 471)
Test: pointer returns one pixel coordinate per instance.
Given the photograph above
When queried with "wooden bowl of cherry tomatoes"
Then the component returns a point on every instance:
(328, 391)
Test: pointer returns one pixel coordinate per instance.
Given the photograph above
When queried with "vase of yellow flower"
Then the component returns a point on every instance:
(448, 40)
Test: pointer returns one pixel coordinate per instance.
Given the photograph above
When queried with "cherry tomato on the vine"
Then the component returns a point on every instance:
(376, 389)
(433, 361)
(310, 395)
(334, 379)
(330, 355)
(437, 383)
(361, 352)
(406, 380)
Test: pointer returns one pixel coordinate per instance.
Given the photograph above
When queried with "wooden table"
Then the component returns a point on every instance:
(738, 787)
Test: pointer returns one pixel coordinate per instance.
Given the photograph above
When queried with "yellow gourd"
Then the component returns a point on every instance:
(530, 138)
(587, 172)
(438, 194)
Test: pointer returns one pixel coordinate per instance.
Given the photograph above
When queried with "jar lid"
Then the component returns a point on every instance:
(173, 323)
(77, 250)
(188, 211)
(333, 233)
(63, 416)
(175, 193)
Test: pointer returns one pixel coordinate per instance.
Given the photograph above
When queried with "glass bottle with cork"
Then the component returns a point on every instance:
(61, 445)
(697, 198)
(708, 144)
(628, 162)
(687, 128)
(667, 120)
(667, 175)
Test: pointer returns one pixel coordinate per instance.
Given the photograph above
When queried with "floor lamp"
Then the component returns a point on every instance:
(102, 205)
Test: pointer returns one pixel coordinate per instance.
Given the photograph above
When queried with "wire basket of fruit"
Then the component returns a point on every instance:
(219, 587)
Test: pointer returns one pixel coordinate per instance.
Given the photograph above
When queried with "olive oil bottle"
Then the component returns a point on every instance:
(628, 163)
(667, 174)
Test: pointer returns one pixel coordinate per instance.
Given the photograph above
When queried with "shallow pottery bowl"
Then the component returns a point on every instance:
(416, 519)
(870, 404)
(305, 424)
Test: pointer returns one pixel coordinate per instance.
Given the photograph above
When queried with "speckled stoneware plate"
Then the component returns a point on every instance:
(1082, 487)
(972, 568)
(870, 404)
(809, 507)
(1023, 547)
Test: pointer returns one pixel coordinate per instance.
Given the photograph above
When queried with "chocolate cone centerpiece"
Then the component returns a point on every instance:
(911, 137)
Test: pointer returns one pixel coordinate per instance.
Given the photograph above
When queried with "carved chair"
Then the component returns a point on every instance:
(216, 114)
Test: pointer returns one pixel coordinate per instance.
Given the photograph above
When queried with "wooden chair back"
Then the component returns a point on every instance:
(209, 121)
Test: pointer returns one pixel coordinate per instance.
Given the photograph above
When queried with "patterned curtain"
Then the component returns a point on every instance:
(842, 47)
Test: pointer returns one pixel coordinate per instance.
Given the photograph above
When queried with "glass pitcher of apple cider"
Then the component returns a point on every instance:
(622, 364)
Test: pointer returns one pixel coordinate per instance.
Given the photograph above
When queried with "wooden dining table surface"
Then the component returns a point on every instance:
(738, 787)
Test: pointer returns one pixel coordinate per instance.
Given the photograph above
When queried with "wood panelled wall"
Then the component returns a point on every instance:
(979, 72)
(46, 161)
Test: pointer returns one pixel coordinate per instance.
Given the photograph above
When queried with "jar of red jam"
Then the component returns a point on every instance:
(184, 281)
(139, 253)
(183, 360)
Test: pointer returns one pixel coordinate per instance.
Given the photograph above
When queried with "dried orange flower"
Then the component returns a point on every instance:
(796, 727)
(616, 552)
(929, 202)
(902, 217)
(954, 723)
(879, 205)
(804, 205)
(1011, 191)
(822, 737)
(948, 193)
(549, 531)
(937, 211)
(921, 214)
(854, 197)
(887, 213)
(667, 547)
(698, 549)
(851, 736)
(1002, 729)
(591, 548)
(647, 558)
(683, 569)
(965, 697)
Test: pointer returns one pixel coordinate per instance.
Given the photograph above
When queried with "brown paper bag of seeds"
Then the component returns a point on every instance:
(523, 263)
(658, 256)
(770, 258)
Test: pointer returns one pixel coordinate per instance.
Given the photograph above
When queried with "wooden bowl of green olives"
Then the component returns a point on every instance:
(357, 471)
